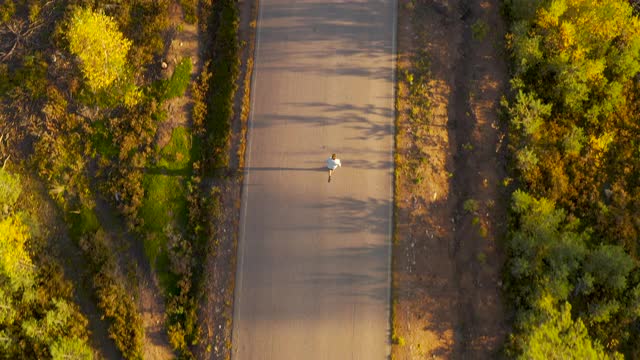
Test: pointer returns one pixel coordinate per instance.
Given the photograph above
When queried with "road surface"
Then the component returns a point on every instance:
(313, 273)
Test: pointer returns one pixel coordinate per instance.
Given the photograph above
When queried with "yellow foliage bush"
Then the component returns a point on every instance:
(100, 46)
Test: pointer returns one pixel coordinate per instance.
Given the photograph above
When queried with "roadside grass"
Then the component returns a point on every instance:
(246, 108)
(225, 69)
(180, 79)
(165, 202)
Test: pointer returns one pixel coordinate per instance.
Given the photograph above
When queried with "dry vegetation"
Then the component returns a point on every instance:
(119, 142)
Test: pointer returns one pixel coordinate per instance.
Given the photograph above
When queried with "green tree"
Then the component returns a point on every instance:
(574, 141)
(559, 337)
(100, 46)
(528, 114)
(35, 315)
(545, 251)
(609, 267)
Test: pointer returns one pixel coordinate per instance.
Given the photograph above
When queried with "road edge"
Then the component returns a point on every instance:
(256, 16)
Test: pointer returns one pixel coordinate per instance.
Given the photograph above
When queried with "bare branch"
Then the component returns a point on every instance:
(21, 32)
(5, 162)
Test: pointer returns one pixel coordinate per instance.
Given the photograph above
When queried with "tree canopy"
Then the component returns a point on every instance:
(559, 338)
(100, 46)
(574, 129)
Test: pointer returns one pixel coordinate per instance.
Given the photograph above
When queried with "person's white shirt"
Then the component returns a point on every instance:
(333, 164)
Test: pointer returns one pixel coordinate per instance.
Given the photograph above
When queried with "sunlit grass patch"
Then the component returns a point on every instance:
(165, 202)
(177, 84)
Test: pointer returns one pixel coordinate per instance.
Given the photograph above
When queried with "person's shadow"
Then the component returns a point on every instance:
(314, 169)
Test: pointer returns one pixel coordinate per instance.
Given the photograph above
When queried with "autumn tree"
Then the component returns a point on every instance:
(587, 49)
(102, 49)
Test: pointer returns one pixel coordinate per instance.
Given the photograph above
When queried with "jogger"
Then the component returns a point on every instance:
(332, 164)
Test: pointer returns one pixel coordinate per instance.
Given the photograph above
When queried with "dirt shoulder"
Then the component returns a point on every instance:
(450, 209)
(136, 272)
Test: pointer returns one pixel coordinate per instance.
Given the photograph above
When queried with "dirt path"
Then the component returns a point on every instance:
(183, 41)
(450, 210)
(141, 281)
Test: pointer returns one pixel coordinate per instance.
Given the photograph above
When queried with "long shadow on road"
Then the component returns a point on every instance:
(369, 121)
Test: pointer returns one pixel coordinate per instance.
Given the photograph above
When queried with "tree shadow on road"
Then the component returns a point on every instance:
(352, 215)
(373, 285)
(357, 24)
(367, 128)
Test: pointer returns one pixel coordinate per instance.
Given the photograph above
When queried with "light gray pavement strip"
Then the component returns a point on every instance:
(314, 257)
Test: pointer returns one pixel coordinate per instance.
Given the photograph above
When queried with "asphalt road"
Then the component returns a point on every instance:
(313, 273)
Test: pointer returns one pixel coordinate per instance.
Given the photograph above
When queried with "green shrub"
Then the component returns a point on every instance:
(113, 299)
(145, 23)
(471, 205)
(131, 134)
(102, 140)
(30, 76)
(526, 160)
(479, 30)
